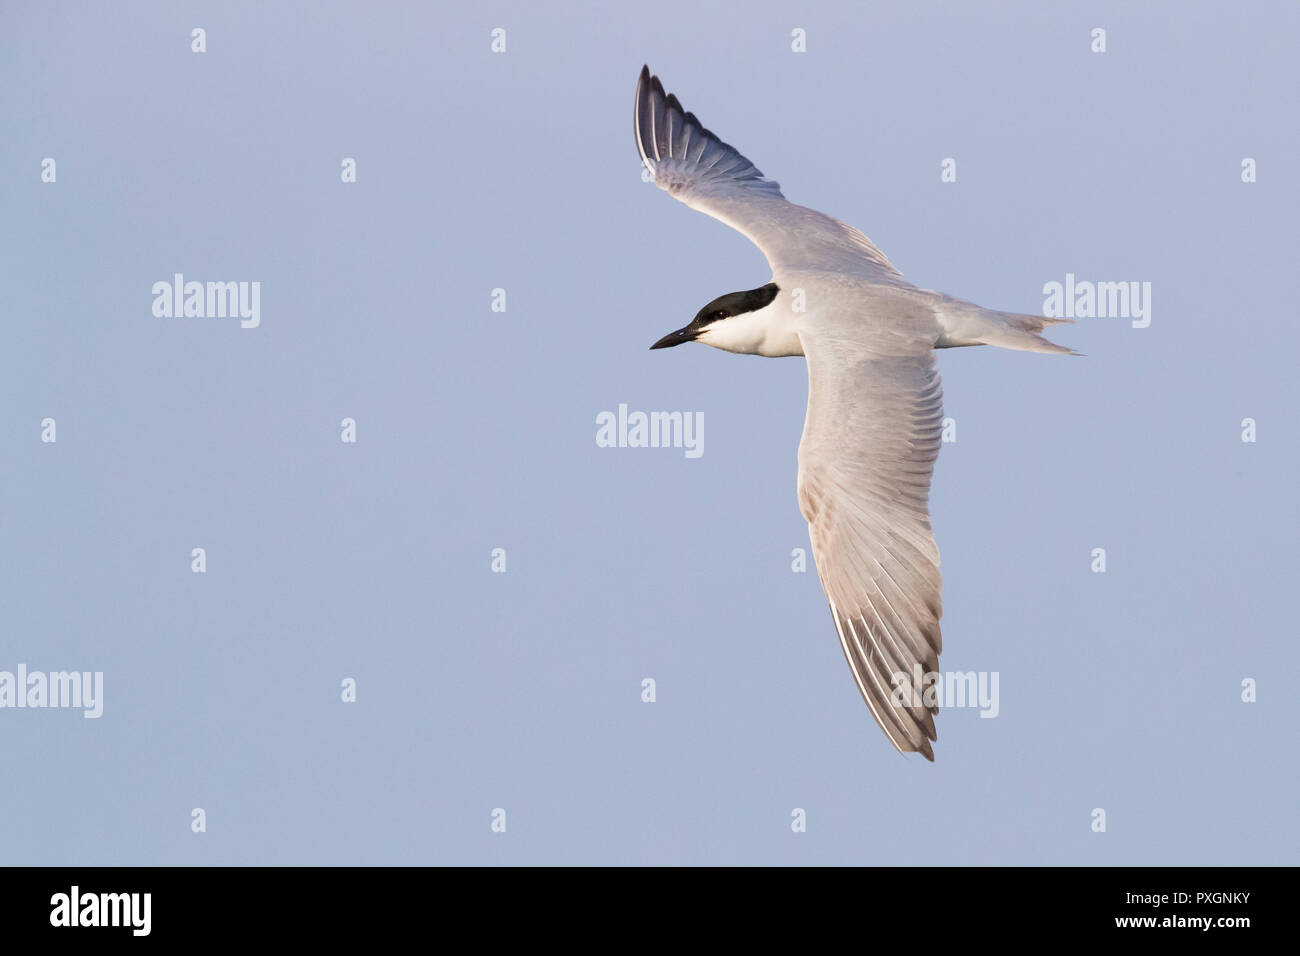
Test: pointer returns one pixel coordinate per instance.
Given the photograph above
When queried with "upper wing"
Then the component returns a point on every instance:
(869, 444)
(707, 174)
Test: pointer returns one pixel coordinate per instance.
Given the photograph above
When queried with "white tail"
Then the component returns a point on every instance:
(965, 323)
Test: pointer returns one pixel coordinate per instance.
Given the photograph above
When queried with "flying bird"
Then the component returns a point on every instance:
(875, 405)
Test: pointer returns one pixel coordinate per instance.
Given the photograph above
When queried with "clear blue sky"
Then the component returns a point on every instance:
(476, 430)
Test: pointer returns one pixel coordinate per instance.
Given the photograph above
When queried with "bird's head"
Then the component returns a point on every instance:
(717, 323)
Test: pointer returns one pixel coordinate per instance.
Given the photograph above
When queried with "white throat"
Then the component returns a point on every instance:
(769, 331)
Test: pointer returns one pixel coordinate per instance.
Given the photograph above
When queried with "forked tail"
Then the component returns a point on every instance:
(965, 323)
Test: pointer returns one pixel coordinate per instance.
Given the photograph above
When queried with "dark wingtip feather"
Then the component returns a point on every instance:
(641, 116)
(660, 136)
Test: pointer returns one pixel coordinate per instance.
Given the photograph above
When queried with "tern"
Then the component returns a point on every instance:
(875, 406)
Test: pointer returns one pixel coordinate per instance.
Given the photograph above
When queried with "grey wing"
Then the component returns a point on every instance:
(696, 167)
(868, 450)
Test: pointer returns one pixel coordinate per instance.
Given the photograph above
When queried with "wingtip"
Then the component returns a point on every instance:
(639, 120)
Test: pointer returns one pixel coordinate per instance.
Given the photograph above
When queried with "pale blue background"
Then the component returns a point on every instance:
(476, 431)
